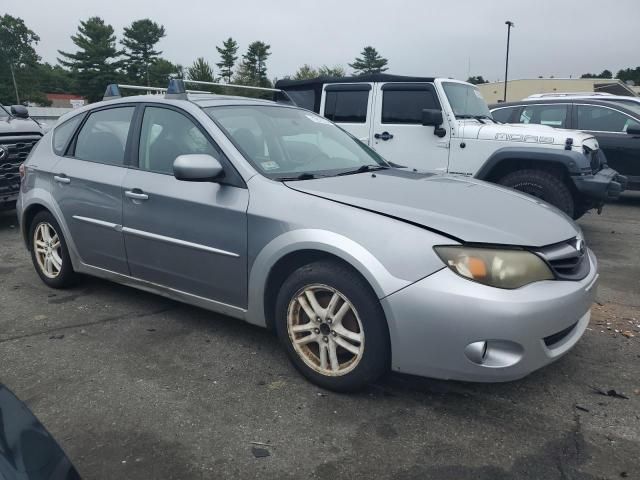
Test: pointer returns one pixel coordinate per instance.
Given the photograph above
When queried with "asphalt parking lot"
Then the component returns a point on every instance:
(137, 386)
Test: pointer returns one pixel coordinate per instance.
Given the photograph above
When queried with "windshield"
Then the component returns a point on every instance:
(288, 143)
(466, 100)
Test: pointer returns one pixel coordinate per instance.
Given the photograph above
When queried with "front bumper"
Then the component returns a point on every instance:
(437, 323)
(607, 184)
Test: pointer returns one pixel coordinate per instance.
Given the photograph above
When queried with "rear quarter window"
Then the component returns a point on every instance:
(63, 132)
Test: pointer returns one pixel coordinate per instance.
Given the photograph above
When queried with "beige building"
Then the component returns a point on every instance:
(519, 89)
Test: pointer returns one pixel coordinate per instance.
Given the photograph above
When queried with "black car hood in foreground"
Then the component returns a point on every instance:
(27, 451)
(467, 209)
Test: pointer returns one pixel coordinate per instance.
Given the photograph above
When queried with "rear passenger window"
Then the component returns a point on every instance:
(63, 132)
(503, 114)
(405, 106)
(103, 137)
(346, 106)
(165, 135)
(551, 115)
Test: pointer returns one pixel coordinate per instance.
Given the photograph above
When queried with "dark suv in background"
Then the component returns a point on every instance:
(616, 125)
(18, 135)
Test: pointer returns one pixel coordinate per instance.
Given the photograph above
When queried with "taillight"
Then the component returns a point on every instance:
(22, 171)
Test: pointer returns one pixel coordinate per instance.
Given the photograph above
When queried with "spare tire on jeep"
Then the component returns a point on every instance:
(543, 185)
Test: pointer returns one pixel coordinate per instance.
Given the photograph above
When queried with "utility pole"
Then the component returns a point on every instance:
(509, 24)
(15, 85)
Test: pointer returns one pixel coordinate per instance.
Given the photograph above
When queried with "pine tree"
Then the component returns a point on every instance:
(305, 72)
(335, 71)
(139, 41)
(369, 62)
(200, 71)
(228, 56)
(253, 70)
(96, 63)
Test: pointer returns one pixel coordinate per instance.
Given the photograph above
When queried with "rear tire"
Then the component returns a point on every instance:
(543, 185)
(49, 252)
(332, 326)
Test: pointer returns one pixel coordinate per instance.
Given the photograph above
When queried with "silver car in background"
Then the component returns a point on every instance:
(274, 215)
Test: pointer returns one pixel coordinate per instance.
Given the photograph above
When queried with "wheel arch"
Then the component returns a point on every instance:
(286, 253)
(509, 159)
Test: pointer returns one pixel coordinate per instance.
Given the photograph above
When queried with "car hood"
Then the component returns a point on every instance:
(527, 133)
(18, 125)
(466, 209)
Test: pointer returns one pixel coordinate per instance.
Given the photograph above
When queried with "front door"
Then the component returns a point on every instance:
(398, 133)
(189, 236)
(350, 105)
(610, 126)
(88, 188)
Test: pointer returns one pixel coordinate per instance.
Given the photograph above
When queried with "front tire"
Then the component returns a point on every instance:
(49, 252)
(332, 326)
(543, 185)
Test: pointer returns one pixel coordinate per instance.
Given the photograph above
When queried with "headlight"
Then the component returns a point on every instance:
(495, 267)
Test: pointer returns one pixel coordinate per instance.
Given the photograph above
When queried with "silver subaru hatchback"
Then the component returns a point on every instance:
(272, 214)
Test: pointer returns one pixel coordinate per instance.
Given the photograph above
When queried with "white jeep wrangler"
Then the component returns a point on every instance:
(445, 125)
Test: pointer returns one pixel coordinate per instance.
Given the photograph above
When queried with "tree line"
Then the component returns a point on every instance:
(100, 58)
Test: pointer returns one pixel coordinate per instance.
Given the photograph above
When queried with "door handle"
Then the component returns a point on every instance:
(383, 136)
(62, 178)
(136, 194)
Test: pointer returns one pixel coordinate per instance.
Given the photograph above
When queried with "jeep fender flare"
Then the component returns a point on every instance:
(568, 159)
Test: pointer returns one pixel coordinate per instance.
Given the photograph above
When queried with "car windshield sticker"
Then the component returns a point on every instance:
(270, 165)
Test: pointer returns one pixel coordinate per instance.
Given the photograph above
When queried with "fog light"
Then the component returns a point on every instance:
(494, 353)
(476, 352)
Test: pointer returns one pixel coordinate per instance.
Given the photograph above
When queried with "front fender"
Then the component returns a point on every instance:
(571, 160)
(380, 279)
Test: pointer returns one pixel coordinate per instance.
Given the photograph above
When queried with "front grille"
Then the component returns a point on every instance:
(568, 260)
(551, 340)
(14, 151)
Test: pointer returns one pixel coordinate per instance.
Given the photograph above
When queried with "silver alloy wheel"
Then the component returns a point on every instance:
(48, 250)
(325, 330)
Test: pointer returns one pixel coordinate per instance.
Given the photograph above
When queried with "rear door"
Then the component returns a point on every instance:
(609, 126)
(398, 133)
(88, 186)
(350, 105)
(189, 236)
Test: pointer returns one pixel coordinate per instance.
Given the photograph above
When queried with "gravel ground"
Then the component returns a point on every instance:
(137, 386)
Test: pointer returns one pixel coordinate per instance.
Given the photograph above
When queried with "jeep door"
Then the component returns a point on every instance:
(350, 105)
(88, 185)
(189, 236)
(398, 133)
(609, 126)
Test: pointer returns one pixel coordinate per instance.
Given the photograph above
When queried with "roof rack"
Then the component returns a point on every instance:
(113, 90)
(177, 90)
(570, 94)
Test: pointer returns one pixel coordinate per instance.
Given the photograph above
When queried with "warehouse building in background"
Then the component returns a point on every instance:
(518, 89)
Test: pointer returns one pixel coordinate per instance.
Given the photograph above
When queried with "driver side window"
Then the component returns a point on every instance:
(165, 135)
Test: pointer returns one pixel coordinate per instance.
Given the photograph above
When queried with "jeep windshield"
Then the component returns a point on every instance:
(466, 101)
(293, 144)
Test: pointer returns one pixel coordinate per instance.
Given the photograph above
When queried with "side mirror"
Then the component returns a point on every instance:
(633, 130)
(197, 168)
(431, 117)
(19, 111)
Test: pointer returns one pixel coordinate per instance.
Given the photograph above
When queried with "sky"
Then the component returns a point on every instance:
(454, 38)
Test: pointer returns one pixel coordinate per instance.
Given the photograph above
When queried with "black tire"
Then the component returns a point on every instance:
(375, 356)
(66, 277)
(543, 185)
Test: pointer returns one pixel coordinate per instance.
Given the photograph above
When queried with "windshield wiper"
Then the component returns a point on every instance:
(302, 176)
(479, 118)
(363, 168)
